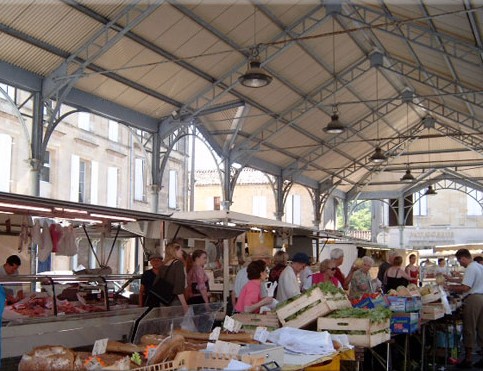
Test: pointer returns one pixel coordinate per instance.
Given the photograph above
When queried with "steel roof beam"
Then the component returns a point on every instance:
(58, 84)
(447, 60)
(417, 34)
(474, 27)
(433, 80)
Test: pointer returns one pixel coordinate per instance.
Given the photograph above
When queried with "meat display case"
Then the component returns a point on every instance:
(110, 317)
(82, 330)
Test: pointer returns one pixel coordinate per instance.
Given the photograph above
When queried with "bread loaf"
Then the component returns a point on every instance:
(47, 358)
(167, 349)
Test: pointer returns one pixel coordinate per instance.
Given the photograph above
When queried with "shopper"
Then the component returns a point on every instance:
(280, 260)
(361, 282)
(442, 268)
(305, 276)
(198, 280)
(326, 273)
(337, 256)
(173, 271)
(412, 269)
(288, 285)
(10, 269)
(251, 300)
(395, 276)
(384, 267)
(472, 289)
(147, 279)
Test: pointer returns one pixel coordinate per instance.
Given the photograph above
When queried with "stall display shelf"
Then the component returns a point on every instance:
(360, 331)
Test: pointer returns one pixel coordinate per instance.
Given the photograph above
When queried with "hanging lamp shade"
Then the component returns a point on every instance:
(408, 175)
(334, 126)
(378, 156)
(255, 77)
(430, 191)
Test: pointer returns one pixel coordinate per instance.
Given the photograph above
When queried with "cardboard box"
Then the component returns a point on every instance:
(373, 333)
(304, 310)
(404, 303)
(270, 352)
(370, 303)
(405, 323)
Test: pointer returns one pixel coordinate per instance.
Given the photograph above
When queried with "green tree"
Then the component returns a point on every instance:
(359, 220)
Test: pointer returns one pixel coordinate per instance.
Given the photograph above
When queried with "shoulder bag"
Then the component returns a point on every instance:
(162, 290)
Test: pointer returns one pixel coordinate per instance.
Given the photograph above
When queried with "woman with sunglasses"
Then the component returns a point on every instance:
(361, 282)
(326, 273)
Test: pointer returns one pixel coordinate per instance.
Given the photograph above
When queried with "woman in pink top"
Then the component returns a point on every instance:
(326, 273)
(250, 299)
(198, 279)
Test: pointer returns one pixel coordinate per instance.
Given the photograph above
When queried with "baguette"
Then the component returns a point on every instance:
(149, 339)
(238, 337)
(167, 349)
(118, 347)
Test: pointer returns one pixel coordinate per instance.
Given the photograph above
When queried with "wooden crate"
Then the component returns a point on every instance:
(338, 301)
(252, 320)
(373, 334)
(432, 311)
(193, 360)
(430, 298)
(315, 303)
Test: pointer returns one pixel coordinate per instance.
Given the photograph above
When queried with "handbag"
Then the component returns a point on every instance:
(162, 290)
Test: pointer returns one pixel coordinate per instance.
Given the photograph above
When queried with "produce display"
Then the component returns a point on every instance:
(376, 315)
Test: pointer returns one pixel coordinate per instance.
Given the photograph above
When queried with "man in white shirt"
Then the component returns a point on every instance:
(472, 286)
(288, 285)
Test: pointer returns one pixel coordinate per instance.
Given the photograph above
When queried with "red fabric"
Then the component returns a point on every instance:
(319, 278)
(55, 234)
(340, 276)
(414, 275)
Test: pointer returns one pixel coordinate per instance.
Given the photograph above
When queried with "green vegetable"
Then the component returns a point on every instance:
(376, 315)
(136, 358)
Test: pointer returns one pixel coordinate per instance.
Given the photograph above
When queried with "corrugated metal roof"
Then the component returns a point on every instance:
(189, 56)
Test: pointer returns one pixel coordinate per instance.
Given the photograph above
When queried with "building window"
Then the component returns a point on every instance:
(420, 207)
(292, 209)
(112, 186)
(45, 169)
(259, 206)
(84, 121)
(173, 189)
(9, 90)
(139, 180)
(217, 203)
(473, 207)
(83, 181)
(113, 130)
(6, 163)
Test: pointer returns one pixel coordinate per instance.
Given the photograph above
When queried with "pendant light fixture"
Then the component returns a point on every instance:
(408, 176)
(334, 126)
(255, 76)
(378, 156)
(430, 191)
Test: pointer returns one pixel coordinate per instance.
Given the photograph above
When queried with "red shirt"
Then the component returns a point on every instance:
(340, 276)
